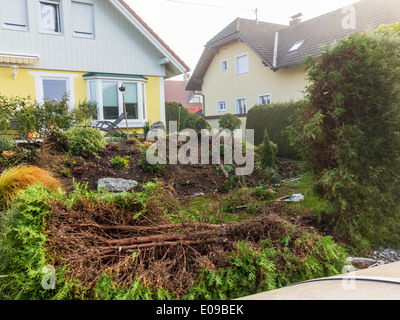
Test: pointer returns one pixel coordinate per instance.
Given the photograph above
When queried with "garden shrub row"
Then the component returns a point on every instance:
(30, 118)
(275, 118)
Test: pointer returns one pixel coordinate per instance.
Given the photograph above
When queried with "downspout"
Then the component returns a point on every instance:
(204, 103)
(275, 61)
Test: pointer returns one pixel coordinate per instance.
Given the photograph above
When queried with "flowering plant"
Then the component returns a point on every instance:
(120, 162)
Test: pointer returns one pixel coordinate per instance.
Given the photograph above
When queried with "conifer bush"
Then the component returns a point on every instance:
(349, 134)
(267, 153)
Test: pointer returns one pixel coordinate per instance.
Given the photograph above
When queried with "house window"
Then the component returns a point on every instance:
(112, 104)
(264, 99)
(110, 100)
(195, 100)
(242, 64)
(131, 100)
(53, 85)
(224, 66)
(50, 16)
(14, 14)
(221, 106)
(54, 89)
(83, 19)
(241, 106)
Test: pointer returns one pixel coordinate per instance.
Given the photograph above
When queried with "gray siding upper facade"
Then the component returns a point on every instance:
(117, 45)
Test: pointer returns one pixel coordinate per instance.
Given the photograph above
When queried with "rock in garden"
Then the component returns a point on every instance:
(116, 184)
(158, 125)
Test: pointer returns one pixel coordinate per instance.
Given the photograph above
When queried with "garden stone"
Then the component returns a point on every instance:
(159, 127)
(116, 184)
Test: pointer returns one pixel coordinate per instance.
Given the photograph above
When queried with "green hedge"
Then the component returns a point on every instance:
(275, 118)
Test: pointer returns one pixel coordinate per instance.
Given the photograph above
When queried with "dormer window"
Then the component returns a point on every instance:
(297, 45)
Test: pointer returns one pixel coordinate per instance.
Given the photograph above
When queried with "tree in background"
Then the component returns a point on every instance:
(230, 122)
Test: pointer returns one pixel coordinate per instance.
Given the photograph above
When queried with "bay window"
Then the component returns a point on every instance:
(110, 100)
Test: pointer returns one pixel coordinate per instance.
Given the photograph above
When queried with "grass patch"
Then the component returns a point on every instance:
(312, 203)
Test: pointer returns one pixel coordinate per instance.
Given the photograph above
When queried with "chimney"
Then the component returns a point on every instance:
(296, 20)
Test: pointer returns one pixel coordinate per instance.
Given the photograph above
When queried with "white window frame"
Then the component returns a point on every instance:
(225, 61)
(237, 107)
(68, 77)
(59, 17)
(219, 106)
(11, 26)
(236, 64)
(263, 95)
(141, 94)
(81, 34)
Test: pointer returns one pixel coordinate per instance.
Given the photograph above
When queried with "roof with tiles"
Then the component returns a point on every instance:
(311, 35)
(326, 29)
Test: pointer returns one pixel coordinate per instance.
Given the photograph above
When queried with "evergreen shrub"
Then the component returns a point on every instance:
(349, 134)
(230, 122)
(84, 141)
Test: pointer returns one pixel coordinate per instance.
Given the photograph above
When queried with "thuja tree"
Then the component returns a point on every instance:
(349, 135)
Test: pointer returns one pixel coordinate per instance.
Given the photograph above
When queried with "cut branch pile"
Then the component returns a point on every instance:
(96, 238)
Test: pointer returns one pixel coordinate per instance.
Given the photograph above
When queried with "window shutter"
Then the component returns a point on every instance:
(82, 18)
(14, 13)
(242, 64)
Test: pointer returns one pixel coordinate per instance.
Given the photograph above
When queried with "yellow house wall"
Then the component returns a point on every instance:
(284, 85)
(153, 99)
(24, 86)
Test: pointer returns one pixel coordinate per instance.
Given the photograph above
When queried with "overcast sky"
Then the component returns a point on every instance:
(186, 25)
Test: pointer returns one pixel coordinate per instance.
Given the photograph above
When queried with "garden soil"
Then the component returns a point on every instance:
(187, 180)
(94, 238)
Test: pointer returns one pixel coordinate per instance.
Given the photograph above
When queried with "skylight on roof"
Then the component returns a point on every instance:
(297, 45)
